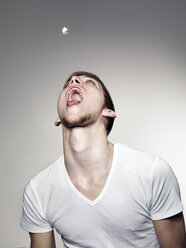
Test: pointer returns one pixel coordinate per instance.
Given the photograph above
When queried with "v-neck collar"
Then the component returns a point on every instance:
(102, 193)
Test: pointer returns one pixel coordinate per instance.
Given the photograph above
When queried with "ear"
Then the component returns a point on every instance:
(58, 122)
(108, 113)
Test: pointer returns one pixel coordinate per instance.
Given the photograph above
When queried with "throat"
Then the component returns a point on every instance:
(91, 179)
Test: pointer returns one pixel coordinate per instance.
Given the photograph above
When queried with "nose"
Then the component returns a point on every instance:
(75, 80)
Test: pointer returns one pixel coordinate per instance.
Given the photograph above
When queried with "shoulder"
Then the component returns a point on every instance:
(156, 178)
(134, 156)
(45, 177)
(145, 164)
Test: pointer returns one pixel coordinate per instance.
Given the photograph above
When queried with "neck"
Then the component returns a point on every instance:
(86, 150)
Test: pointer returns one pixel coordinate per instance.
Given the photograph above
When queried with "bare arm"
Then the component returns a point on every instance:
(42, 240)
(171, 232)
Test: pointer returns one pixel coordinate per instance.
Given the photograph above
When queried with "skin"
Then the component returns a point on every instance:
(88, 163)
(171, 232)
(42, 240)
(84, 160)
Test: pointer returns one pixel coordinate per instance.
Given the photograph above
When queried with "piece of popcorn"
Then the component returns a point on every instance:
(65, 31)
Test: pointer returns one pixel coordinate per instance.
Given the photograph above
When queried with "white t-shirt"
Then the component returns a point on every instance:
(140, 188)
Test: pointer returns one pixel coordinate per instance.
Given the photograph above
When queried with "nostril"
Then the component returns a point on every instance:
(76, 81)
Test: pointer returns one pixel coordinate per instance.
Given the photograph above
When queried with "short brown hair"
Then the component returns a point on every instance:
(108, 100)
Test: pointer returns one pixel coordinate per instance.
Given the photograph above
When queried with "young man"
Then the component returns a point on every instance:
(99, 194)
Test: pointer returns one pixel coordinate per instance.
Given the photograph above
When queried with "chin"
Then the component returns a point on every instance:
(83, 121)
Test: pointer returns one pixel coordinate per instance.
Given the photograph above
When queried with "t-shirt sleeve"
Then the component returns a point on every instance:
(33, 218)
(165, 192)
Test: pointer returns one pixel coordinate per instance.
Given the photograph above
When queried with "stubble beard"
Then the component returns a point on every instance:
(83, 121)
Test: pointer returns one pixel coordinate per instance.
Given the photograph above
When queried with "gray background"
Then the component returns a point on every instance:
(137, 47)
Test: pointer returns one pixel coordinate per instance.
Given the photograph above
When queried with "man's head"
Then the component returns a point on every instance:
(107, 101)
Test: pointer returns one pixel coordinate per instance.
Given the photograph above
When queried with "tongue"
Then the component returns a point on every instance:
(76, 99)
(72, 102)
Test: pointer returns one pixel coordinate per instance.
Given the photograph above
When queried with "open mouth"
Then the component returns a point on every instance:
(74, 96)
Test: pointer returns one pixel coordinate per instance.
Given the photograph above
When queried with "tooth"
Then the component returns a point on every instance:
(74, 89)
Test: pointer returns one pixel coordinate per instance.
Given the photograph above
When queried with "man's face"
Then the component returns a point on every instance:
(80, 102)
